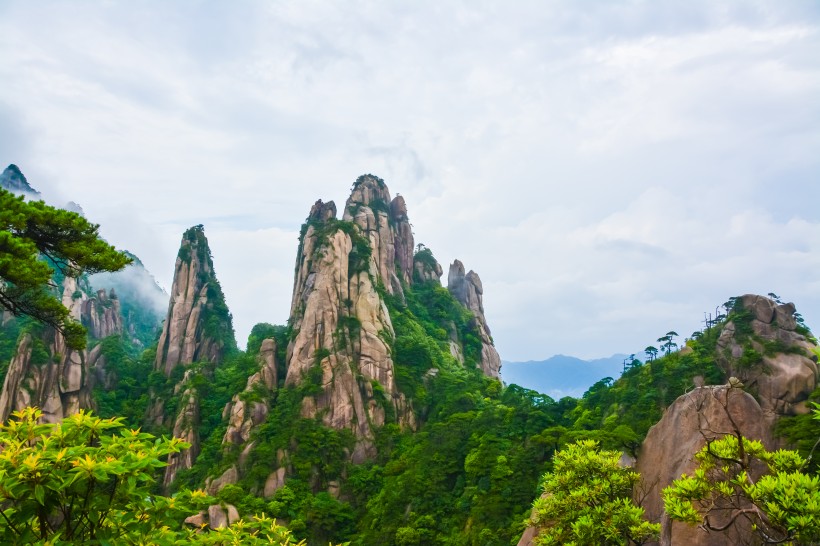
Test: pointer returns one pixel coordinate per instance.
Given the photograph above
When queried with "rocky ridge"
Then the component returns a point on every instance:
(772, 366)
(340, 355)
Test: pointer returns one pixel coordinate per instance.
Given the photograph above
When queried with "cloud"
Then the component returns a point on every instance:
(611, 170)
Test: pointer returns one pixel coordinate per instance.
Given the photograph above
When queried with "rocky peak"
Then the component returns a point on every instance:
(425, 267)
(341, 325)
(13, 180)
(468, 290)
(198, 326)
(761, 345)
(45, 373)
(383, 221)
(198, 329)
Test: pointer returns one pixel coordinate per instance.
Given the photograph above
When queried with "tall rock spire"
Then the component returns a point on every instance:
(198, 329)
(198, 326)
(467, 289)
(342, 329)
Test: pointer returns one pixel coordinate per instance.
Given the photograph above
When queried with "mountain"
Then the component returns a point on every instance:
(13, 180)
(376, 414)
(561, 375)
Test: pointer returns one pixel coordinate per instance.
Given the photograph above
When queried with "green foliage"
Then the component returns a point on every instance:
(127, 373)
(70, 244)
(803, 432)
(75, 481)
(467, 477)
(783, 505)
(85, 480)
(588, 500)
(639, 397)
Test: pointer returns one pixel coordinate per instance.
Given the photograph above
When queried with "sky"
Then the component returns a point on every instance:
(612, 170)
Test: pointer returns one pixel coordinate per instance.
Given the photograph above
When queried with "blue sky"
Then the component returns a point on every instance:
(611, 169)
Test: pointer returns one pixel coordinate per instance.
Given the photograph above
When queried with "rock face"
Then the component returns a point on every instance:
(761, 346)
(101, 314)
(385, 225)
(45, 373)
(196, 298)
(669, 448)
(244, 414)
(467, 289)
(763, 349)
(342, 325)
(198, 329)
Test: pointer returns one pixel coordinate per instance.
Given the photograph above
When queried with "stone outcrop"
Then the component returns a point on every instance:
(763, 348)
(467, 289)
(668, 451)
(384, 223)
(426, 268)
(198, 329)
(101, 314)
(341, 323)
(217, 515)
(249, 408)
(45, 373)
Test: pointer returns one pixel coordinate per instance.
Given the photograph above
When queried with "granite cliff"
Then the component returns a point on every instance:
(196, 335)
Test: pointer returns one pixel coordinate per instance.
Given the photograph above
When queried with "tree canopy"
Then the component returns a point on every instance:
(69, 244)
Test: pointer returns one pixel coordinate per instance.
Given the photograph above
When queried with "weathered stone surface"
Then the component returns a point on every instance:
(274, 482)
(101, 314)
(228, 477)
(183, 339)
(783, 379)
(341, 323)
(384, 223)
(185, 427)
(61, 384)
(217, 517)
(426, 272)
(243, 416)
(669, 449)
(12, 399)
(468, 290)
(404, 242)
(197, 520)
(196, 300)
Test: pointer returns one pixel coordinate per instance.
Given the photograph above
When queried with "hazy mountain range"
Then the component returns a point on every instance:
(562, 375)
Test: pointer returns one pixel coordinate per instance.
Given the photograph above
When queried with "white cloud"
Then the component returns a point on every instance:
(611, 170)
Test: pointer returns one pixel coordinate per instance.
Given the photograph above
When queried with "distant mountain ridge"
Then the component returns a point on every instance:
(12, 179)
(562, 375)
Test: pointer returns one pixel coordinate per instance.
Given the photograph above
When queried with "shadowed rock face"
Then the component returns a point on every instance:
(467, 289)
(198, 328)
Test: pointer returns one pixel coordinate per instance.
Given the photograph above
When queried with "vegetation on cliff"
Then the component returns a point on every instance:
(70, 245)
